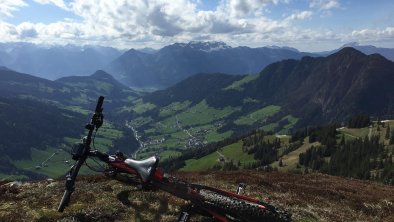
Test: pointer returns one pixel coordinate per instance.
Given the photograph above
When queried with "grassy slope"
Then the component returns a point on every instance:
(352, 133)
(173, 108)
(290, 160)
(237, 85)
(258, 115)
(232, 152)
(202, 114)
(292, 121)
(202, 164)
(312, 197)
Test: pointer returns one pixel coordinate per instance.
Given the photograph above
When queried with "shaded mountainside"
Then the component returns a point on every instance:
(312, 197)
(101, 83)
(27, 123)
(76, 91)
(13, 83)
(176, 62)
(332, 88)
(196, 88)
(318, 90)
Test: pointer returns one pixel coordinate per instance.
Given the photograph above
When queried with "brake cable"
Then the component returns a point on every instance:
(100, 165)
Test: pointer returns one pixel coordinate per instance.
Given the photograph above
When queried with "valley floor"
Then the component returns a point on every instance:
(313, 197)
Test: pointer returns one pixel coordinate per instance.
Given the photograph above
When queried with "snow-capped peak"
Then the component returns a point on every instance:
(204, 46)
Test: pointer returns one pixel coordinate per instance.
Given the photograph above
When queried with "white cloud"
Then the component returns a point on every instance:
(324, 4)
(176, 18)
(7, 32)
(26, 30)
(125, 22)
(300, 16)
(9, 6)
(373, 34)
(154, 23)
(240, 8)
(58, 3)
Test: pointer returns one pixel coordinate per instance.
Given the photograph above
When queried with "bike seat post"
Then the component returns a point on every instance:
(241, 188)
(183, 217)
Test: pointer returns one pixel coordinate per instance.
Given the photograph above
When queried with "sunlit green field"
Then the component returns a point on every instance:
(257, 116)
(232, 152)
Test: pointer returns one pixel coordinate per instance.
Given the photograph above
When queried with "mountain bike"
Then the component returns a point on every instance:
(221, 205)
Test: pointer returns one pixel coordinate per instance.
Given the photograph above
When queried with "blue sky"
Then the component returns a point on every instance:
(309, 25)
(36, 12)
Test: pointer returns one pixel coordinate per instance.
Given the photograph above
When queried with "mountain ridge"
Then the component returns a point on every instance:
(388, 53)
(178, 61)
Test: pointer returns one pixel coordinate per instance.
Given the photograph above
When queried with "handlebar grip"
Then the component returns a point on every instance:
(99, 104)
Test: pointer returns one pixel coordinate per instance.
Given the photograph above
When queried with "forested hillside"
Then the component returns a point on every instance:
(363, 153)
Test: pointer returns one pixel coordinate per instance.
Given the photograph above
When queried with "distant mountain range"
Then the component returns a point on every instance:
(176, 62)
(53, 62)
(366, 49)
(152, 68)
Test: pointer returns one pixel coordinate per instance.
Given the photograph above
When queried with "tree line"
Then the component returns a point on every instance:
(362, 158)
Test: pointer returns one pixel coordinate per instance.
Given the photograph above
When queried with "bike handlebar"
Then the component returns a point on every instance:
(99, 105)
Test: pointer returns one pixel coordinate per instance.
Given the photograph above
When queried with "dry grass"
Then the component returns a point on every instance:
(308, 197)
(314, 197)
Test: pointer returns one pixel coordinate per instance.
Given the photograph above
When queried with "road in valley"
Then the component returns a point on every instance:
(137, 137)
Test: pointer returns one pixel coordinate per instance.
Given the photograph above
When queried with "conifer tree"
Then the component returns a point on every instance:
(387, 136)
(392, 138)
(379, 122)
(343, 140)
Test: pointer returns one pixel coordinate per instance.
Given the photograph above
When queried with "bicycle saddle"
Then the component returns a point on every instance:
(145, 168)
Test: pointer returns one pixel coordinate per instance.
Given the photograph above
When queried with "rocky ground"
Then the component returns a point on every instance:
(313, 197)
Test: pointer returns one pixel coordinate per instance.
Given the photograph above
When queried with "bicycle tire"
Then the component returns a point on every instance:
(242, 210)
